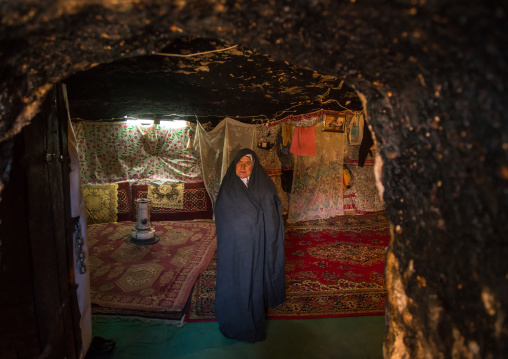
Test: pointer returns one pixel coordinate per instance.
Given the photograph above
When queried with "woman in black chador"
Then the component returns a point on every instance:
(250, 249)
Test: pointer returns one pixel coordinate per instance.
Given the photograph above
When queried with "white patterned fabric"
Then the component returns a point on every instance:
(124, 151)
(218, 147)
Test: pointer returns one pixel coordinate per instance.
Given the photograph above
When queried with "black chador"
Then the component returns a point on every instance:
(250, 251)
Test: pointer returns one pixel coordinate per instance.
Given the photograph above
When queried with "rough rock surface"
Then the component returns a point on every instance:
(433, 75)
(205, 80)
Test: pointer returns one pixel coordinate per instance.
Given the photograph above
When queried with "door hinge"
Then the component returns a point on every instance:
(50, 157)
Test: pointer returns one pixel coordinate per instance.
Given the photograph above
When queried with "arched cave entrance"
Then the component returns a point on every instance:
(433, 75)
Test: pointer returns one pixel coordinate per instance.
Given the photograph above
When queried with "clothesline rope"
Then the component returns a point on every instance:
(196, 53)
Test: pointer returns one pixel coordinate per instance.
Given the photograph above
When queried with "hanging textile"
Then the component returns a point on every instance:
(286, 159)
(317, 180)
(303, 142)
(287, 133)
(123, 151)
(363, 195)
(356, 129)
(218, 147)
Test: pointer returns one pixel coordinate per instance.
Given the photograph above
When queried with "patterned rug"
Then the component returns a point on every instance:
(334, 268)
(147, 280)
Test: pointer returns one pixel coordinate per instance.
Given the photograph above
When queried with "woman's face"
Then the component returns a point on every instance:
(244, 167)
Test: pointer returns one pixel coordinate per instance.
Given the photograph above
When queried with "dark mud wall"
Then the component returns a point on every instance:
(433, 74)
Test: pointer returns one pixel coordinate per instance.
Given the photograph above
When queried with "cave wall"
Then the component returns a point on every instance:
(433, 74)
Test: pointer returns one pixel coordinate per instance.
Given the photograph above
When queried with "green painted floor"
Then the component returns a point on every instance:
(349, 338)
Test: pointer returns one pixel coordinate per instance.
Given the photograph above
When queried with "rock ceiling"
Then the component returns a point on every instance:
(204, 79)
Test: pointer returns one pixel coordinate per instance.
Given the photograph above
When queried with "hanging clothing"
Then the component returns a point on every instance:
(286, 162)
(367, 143)
(217, 148)
(287, 133)
(250, 252)
(303, 143)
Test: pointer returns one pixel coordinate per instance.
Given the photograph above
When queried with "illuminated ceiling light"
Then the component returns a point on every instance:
(173, 124)
(144, 122)
(140, 121)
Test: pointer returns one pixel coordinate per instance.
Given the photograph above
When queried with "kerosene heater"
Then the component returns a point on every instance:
(143, 233)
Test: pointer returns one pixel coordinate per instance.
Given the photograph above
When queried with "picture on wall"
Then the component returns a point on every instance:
(334, 123)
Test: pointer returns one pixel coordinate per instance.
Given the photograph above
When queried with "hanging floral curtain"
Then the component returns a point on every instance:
(218, 147)
(317, 180)
(121, 151)
(362, 194)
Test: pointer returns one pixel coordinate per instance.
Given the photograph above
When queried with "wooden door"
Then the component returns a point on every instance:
(36, 270)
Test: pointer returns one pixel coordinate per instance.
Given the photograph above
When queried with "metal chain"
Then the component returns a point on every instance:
(78, 241)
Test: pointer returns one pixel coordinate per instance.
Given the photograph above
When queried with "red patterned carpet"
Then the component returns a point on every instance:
(334, 268)
(147, 280)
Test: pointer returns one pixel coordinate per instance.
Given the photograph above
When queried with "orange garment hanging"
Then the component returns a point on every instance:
(303, 141)
(287, 133)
